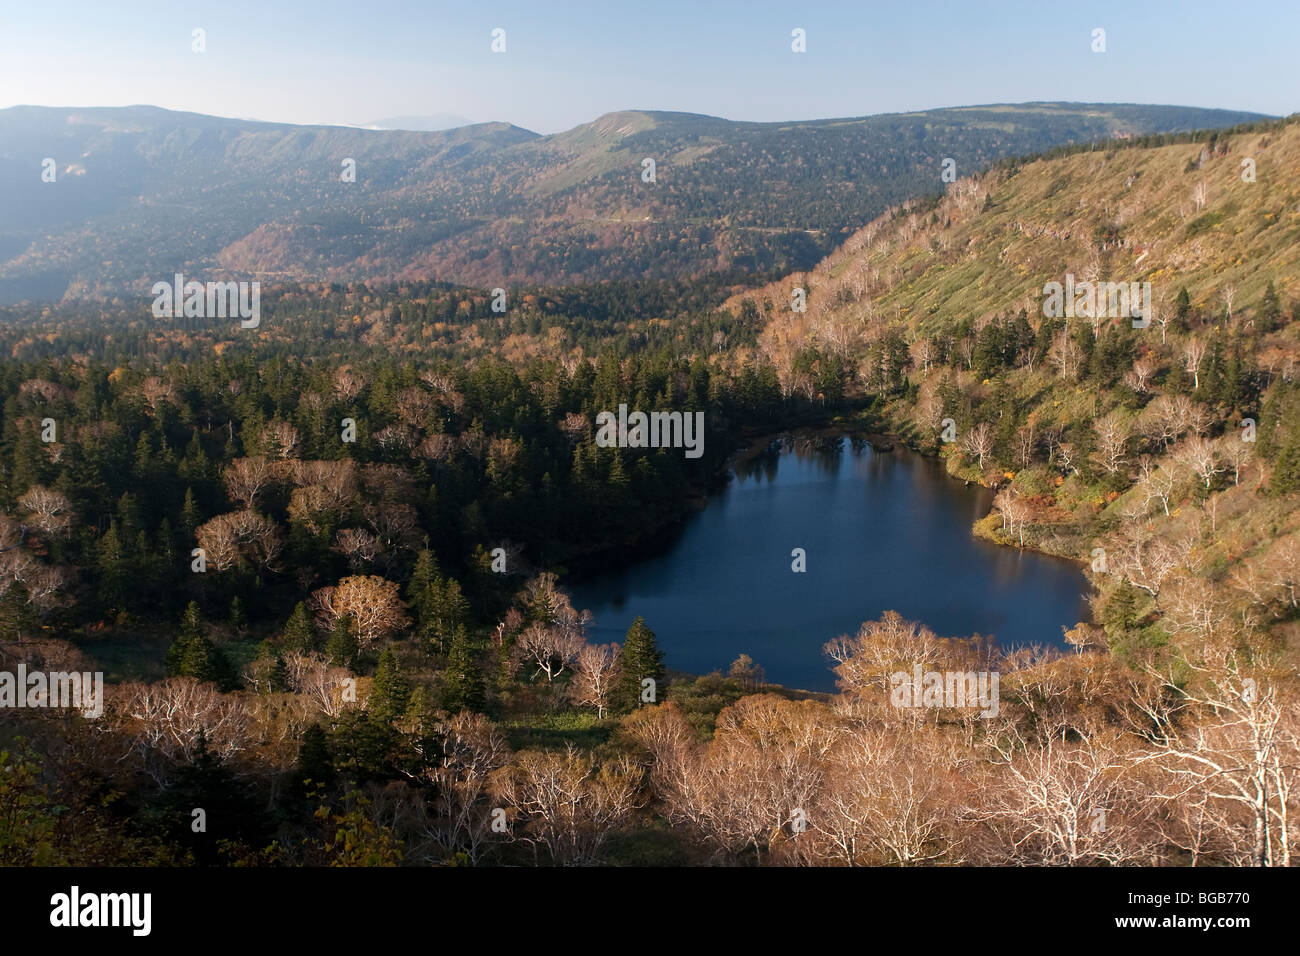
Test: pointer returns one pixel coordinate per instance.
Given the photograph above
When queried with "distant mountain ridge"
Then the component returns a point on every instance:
(433, 123)
(141, 192)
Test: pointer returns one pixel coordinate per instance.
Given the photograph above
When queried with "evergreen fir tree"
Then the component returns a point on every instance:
(1286, 470)
(278, 675)
(190, 632)
(463, 687)
(1120, 614)
(423, 574)
(641, 659)
(444, 610)
(192, 654)
(315, 763)
(191, 621)
(114, 570)
(1270, 309)
(1182, 310)
(342, 647)
(202, 660)
(422, 714)
(191, 517)
(299, 632)
(391, 691)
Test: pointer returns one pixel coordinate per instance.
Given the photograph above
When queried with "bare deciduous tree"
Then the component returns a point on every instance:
(50, 512)
(240, 539)
(1015, 512)
(1282, 566)
(552, 650)
(1200, 456)
(978, 442)
(415, 407)
(393, 439)
(321, 682)
(1193, 356)
(373, 603)
(597, 669)
(1113, 432)
(1229, 748)
(568, 804)
(1026, 443)
(164, 721)
(574, 427)
(1169, 417)
(437, 447)
(1061, 796)
(1157, 482)
(358, 545)
(1065, 355)
(1138, 555)
(347, 383)
(1200, 195)
(156, 393)
(245, 478)
(1139, 377)
(884, 803)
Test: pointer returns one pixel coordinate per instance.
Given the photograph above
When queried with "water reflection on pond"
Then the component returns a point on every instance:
(880, 530)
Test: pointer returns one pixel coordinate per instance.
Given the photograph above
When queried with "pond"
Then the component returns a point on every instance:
(880, 531)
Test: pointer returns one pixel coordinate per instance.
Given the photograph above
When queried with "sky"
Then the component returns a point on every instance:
(565, 63)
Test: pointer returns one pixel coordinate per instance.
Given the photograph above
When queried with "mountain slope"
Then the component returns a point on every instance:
(1178, 215)
(1164, 454)
(142, 192)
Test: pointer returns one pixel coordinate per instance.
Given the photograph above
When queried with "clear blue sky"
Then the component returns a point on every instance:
(567, 62)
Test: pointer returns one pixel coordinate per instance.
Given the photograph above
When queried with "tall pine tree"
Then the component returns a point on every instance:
(641, 660)
(391, 691)
(463, 687)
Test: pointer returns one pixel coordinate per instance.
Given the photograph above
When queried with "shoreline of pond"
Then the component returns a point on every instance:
(849, 452)
(886, 443)
(594, 565)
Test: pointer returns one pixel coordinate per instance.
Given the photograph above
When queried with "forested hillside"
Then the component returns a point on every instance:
(323, 562)
(1175, 446)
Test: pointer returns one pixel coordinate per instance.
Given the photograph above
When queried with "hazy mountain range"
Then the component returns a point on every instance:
(140, 193)
(433, 123)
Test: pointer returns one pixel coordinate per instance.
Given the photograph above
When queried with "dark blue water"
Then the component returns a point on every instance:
(882, 531)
